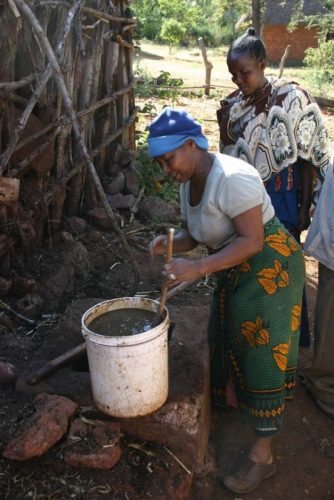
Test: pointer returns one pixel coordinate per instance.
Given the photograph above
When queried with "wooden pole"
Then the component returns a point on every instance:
(284, 58)
(208, 66)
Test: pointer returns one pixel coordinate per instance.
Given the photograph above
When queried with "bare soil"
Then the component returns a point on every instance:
(303, 452)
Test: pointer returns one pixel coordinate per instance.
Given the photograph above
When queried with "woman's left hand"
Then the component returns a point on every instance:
(180, 270)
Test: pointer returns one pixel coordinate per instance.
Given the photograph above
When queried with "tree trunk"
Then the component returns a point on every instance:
(257, 11)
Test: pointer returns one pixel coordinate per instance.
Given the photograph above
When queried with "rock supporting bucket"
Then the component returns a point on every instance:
(129, 374)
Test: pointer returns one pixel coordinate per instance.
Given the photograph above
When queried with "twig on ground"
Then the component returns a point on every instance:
(177, 460)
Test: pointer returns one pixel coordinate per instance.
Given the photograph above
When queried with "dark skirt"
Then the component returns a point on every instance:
(254, 330)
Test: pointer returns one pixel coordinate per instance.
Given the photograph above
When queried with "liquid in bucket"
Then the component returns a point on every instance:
(121, 322)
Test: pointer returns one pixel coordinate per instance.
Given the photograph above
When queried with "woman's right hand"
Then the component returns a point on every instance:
(158, 245)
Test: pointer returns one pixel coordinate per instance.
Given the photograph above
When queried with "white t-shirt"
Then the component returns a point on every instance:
(232, 187)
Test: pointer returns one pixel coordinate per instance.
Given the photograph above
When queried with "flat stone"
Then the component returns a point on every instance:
(43, 429)
(93, 445)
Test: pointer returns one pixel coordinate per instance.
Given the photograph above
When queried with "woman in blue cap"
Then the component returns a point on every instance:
(255, 314)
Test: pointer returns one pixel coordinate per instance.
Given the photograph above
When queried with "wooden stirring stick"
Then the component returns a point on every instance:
(164, 289)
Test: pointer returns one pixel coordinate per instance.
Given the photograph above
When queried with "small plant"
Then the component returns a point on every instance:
(153, 180)
(149, 86)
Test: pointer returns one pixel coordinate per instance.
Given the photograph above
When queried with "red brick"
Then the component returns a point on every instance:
(277, 38)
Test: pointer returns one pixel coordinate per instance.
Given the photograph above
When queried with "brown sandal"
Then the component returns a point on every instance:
(248, 476)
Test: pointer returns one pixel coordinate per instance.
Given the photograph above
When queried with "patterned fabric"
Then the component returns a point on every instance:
(274, 127)
(285, 194)
(254, 330)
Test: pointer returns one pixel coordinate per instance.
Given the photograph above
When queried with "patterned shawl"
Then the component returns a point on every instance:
(273, 128)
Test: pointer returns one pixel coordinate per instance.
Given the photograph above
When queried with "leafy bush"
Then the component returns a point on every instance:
(320, 61)
(153, 180)
(209, 34)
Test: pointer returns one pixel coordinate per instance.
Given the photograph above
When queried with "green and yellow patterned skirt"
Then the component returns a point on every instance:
(254, 329)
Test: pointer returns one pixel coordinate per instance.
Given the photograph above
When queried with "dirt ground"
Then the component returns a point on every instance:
(304, 452)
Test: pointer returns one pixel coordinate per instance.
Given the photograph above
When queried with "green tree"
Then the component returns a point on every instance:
(173, 32)
(215, 20)
(149, 18)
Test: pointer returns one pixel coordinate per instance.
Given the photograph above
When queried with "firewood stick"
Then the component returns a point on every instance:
(79, 350)
(54, 364)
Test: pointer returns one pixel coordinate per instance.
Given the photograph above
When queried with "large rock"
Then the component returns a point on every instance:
(127, 156)
(99, 217)
(115, 184)
(122, 201)
(76, 225)
(69, 261)
(43, 429)
(94, 445)
(132, 180)
(159, 210)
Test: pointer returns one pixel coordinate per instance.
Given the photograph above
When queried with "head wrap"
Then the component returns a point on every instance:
(171, 129)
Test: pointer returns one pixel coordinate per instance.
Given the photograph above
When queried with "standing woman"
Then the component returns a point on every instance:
(276, 126)
(255, 314)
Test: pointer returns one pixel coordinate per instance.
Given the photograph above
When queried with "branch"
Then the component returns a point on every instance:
(124, 43)
(94, 12)
(284, 58)
(108, 17)
(10, 86)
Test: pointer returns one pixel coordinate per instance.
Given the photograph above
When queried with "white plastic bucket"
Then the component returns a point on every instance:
(129, 374)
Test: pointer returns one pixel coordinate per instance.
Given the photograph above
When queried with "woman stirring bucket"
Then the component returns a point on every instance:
(255, 315)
